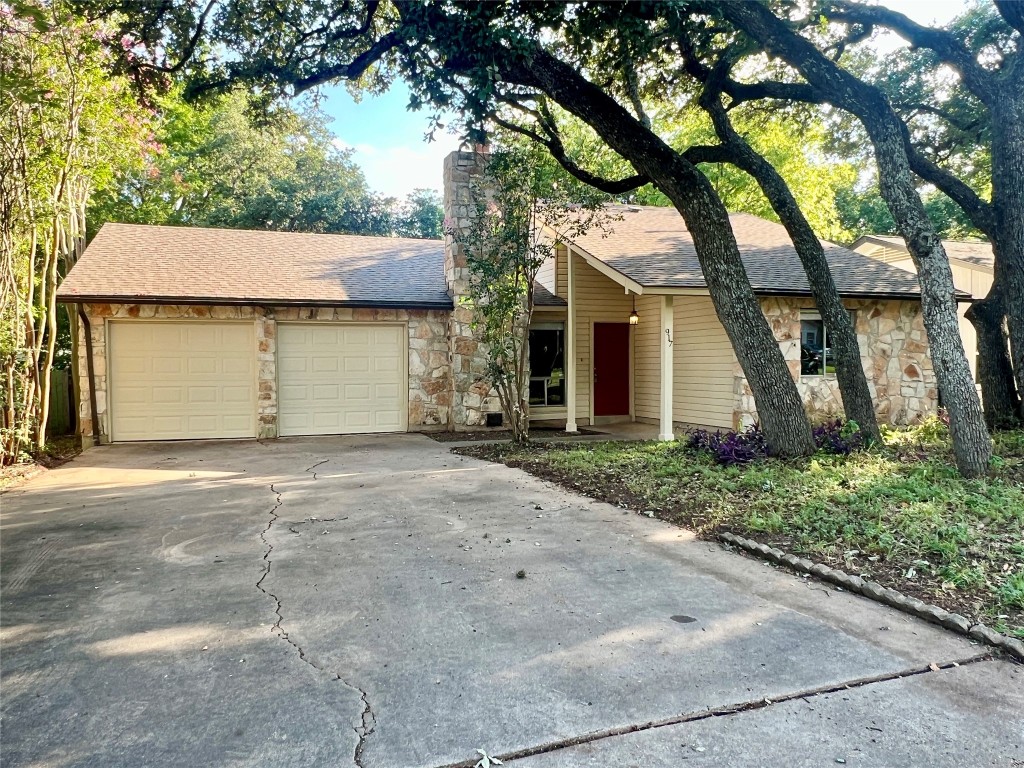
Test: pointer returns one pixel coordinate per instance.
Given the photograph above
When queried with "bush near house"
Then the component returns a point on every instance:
(899, 514)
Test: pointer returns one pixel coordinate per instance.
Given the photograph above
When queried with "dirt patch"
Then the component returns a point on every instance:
(60, 451)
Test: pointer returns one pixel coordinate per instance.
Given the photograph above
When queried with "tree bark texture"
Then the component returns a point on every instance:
(1008, 206)
(995, 372)
(971, 445)
(780, 409)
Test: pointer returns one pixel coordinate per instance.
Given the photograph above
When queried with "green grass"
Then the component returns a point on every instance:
(900, 515)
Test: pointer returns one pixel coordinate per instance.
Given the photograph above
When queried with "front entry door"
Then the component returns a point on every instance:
(611, 369)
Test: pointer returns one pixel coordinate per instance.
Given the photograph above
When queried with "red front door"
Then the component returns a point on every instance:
(611, 369)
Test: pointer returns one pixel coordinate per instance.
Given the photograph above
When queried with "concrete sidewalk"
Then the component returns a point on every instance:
(356, 600)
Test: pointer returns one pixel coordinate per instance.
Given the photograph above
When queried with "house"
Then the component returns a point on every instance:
(208, 333)
(972, 263)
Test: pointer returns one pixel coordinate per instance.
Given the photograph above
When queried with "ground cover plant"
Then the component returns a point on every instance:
(898, 513)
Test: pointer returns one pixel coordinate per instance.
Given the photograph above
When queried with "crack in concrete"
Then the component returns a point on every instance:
(318, 464)
(728, 710)
(368, 720)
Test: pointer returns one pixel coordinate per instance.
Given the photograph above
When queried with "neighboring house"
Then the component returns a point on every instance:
(204, 333)
(972, 264)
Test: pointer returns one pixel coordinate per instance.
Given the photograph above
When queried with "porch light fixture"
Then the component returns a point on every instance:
(634, 318)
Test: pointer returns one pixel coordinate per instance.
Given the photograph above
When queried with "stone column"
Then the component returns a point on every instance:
(266, 359)
(472, 396)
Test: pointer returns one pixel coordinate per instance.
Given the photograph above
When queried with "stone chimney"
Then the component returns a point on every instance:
(472, 395)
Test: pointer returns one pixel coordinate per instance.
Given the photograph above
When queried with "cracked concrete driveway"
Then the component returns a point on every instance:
(355, 600)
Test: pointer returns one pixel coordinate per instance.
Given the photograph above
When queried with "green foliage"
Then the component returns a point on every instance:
(519, 204)
(420, 216)
(797, 150)
(225, 164)
(70, 130)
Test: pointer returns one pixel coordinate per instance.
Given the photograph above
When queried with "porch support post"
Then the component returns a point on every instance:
(570, 344)
(667, 334)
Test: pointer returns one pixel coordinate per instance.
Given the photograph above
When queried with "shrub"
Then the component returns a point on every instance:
(933, 430)
(730, 448)
(839, 437)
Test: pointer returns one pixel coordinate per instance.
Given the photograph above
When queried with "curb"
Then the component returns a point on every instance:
(954, 622)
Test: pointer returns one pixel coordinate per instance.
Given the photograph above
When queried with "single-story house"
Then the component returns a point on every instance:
(211, 333)
(972, 263)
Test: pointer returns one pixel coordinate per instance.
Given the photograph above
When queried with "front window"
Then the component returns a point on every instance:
(816, 356)
(547, 364)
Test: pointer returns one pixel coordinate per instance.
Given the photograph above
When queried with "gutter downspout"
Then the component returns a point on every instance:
(91, 372)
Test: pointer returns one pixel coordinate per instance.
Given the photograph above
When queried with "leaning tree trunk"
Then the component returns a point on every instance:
(971, 446)
(780, 409)
(995, 372)
(1008, 206)
(853, 384)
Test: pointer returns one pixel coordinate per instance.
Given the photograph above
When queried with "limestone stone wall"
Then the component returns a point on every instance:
(472, 396)
(894, 350)
(429, 366)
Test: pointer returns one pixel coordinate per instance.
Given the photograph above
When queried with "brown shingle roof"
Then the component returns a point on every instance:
(134, 262)
(542, 297)
(972, 252)
(651, 246)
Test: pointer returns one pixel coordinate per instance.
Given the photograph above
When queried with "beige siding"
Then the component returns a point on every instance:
(647, 359)
(704, 364)
(598, 300)
(546, 274)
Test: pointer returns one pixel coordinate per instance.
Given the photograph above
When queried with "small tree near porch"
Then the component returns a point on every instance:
(521, 210)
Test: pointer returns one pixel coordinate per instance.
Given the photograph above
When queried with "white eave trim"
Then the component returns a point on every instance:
(610, 272)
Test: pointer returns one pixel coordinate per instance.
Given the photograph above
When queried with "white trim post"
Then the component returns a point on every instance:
(667, 334)
(570, 342)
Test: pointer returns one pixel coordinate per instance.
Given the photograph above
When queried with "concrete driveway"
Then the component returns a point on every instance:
(356, 600)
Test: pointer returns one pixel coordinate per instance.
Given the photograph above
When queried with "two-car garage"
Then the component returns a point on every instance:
(176, 380)
(190, 333)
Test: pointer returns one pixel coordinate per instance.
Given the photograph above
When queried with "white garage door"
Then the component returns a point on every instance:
(339, 379)
(177, 381)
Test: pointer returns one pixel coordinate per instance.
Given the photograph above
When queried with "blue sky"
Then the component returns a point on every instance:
(388, 139)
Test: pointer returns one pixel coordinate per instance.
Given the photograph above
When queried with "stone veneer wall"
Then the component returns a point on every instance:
(472, 395)
(895, 354)
(429, 368)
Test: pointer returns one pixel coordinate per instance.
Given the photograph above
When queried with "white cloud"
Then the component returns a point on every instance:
(397, 171)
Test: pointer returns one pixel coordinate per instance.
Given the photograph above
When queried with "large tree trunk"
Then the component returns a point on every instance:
(780, 409)
(971, 446)
(995, 372)
(853, 383)
(1008, 206)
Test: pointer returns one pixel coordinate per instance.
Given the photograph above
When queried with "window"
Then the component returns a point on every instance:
(815, 351)
(547, 364)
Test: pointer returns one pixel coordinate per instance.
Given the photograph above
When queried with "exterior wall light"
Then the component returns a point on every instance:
(634, 318)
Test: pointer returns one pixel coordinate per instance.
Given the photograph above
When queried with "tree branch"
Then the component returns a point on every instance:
(947, 46)
(555, 147)
(1012, 12)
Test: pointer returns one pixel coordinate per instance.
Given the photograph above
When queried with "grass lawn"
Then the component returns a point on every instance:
(899, 515)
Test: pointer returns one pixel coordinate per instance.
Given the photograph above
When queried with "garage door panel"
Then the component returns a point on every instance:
(341, 379)
(182, 380)
(325, 364)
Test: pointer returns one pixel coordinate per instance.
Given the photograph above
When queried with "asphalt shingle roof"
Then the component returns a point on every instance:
(651, 246)
(135, 262)
(973, 252)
